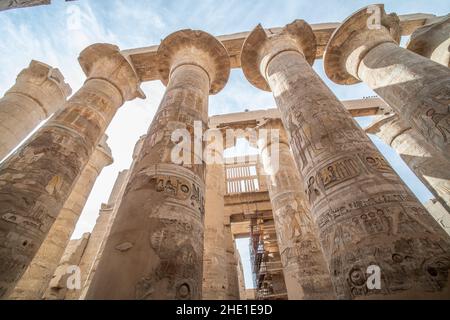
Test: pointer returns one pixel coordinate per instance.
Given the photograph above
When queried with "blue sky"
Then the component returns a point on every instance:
(47, 33)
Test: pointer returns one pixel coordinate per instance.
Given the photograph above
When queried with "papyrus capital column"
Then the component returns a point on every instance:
(305, 270)
(417, 88)
(50, 162)
(428, 165)
(36, 278)
(155, 247)
(432, 41)
(364, 213)
(39, 91)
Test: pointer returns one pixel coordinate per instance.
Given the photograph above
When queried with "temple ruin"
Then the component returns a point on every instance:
(319, 202)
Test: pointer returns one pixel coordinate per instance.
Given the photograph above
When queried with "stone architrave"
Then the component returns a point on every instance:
(305, 270)
(365, 48)
(428, 165)
(36, 278)
(39, 91)
(432, 41)
(367, 218)
(155, 248)
(36, 181)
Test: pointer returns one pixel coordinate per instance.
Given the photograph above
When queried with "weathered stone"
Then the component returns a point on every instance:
(439, 213)
(36, 278)
(305, 270)
(215, 283)
(232, 288)
(162, 210)
(417, 88)
(36, 181)
(428, 165)
(365, 214)
(432, 41)
(39, 91)
(67, 268)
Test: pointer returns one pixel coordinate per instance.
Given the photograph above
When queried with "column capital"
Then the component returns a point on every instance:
(105, 61)
(357, 35)
(259, 48)
(387, 127)
(102, 156)
(432, 41)
(194, 47)
(44, 84)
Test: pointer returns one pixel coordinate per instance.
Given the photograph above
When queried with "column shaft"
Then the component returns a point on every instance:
(417, 88)
(367, 218)
(428, 165)
(155, 248)
(36, 180)
(37, 277)
(364, 212)
(232, 289)
(100, 233)
(305, 270)
(157, 236)
(39, 91)
(215, 283)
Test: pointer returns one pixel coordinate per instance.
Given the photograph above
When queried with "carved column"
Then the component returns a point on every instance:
(428, 165)
(39, 91)
(305, 270)
(365, 48)
(232, 288)
(37, 277)
(433, 41)
(364, 212)
(215, 283)
(36, 181)
(100, 233)
(155, 248)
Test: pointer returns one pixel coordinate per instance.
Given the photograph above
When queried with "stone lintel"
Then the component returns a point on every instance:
(250, 119)
(146, 65)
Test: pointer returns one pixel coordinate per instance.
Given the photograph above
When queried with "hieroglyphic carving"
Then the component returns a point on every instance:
(338, 171)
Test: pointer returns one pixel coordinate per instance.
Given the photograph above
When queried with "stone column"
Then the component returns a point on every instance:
(241, 279)
(365, 48)
(215, 283)
(155, 248)
(36, 181)
(232, 289)
(433, 41)
(365, 214)
(100, 233)
(39, 91)
(36, 278)
(305, 270)
(428, 165)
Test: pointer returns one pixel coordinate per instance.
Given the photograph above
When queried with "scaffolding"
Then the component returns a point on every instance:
(267, 270)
